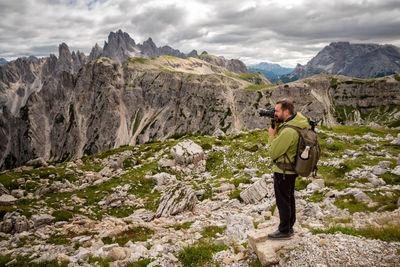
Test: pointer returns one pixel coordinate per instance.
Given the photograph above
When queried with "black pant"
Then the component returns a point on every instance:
(284, 194)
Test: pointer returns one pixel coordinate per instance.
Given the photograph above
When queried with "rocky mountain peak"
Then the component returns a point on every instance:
(193, 53)
(120, 46)
(63, 52)
(96, 52)
(355, 60)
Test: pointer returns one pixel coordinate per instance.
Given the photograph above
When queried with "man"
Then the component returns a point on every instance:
(282, 149)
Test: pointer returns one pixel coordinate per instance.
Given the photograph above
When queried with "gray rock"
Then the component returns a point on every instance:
(41, 220)
(257, 191)
(164, 178)
(218, 133)
(396, 141)
(3, 190)
(166, 163)
(316, 184)
(14, 223)
(376, 181)
(360, 195)
(377, 170)
(177, 199)
(396, 170)
(225, 187)
(238, 226)
(17, 193)
(7, 200)
(187, 152)
(385, 164)
(37, 161)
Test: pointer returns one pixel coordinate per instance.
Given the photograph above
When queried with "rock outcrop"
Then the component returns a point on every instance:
(177, 199)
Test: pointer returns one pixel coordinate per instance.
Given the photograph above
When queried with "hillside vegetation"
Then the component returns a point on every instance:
(103, 208)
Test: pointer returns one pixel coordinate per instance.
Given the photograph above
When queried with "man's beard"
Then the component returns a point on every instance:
(278, 120)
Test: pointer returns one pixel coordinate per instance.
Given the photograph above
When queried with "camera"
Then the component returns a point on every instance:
(267, 112)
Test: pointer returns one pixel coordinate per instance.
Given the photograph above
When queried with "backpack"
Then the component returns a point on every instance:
(308, 153)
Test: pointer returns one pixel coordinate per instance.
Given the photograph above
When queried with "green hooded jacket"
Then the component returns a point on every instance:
(285, 141)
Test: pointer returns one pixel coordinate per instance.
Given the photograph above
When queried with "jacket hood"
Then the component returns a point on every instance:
(299, 120)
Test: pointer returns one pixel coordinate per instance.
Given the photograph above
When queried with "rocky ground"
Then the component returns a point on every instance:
(205, 200)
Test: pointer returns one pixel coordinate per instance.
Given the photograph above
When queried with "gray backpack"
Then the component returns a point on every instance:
(308, 153)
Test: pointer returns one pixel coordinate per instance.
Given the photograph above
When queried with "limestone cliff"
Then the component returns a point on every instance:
(106, 105)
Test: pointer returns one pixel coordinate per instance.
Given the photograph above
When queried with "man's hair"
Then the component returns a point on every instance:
(286, 104)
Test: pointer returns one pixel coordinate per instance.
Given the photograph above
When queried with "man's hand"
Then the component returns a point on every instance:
(271, 132)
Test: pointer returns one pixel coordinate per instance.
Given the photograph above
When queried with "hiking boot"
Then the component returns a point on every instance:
(291, 231)
(278, 234)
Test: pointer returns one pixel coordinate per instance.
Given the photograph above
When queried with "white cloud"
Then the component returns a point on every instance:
(285, 31)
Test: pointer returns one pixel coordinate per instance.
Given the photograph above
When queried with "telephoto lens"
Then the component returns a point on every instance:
(267, 112)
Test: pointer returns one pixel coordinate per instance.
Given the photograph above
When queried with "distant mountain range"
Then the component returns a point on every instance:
(3, 61)
(270, 70)
(355, 60)
(20, 78)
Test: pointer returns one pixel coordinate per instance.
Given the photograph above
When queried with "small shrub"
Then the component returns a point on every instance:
(134, 234)
(62, 215)
(301, 184)
(214, 160)
(236, 195)
(211, 231)
(335, 146)
(206, 146)
(141, 263)
(199, 255)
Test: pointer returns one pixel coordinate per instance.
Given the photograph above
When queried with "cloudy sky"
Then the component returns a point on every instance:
(285, 31)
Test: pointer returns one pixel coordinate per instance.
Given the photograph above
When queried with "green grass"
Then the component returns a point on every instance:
(257, 87)
(236, 195)
(385, 233)
(301, 184)
(133, 234)
(100, 261)
(185, 225)
(212, 231)
(140, 263)
(25, 261)
(199, 255)
(316, 197)
(62, 215)
(138, 60)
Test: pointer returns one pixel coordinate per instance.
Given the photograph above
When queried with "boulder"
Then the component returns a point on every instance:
(238, 226)
(396, 170)
(164, 178)
(41, 220)
(225, 187)
(117, 253)
(3, 190)
(176, 199)
(218, 132)
(187, 152)
(268, 251)
(38, 161)
(396, 141)
(7, 200)
(13, 222)
(377, 170)
(316, 185)
(257, 191)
